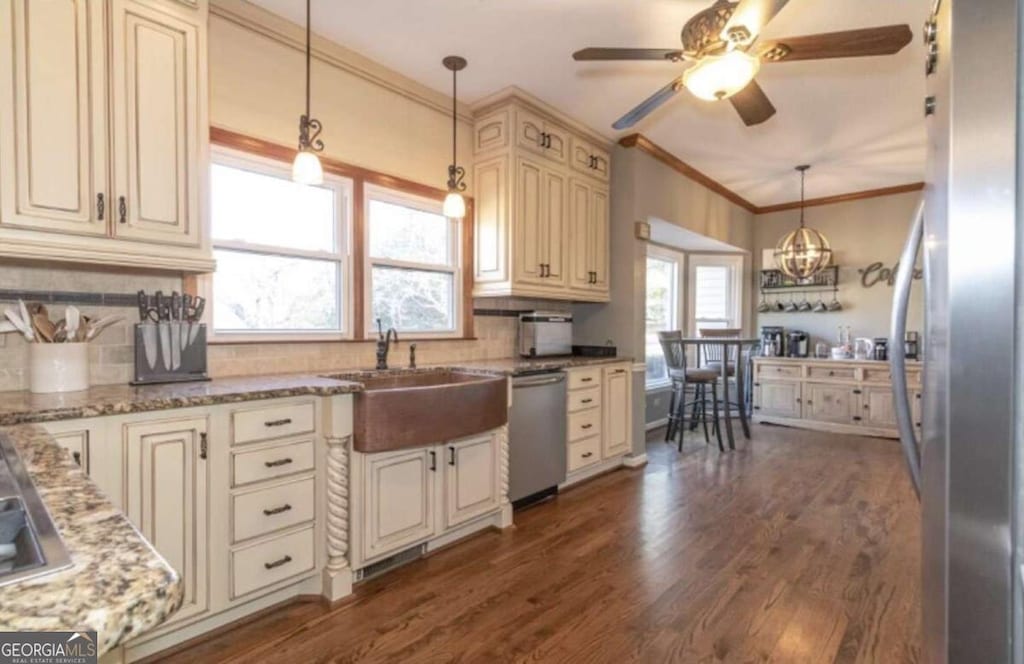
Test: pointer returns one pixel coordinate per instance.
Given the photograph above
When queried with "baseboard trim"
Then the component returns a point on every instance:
(635, 461)
(656, 424)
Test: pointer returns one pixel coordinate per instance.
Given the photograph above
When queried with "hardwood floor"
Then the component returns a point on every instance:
(798, 547)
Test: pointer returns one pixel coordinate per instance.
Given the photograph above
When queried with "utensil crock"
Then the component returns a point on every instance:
(58, 367)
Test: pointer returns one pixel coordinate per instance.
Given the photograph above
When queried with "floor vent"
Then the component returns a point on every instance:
(390, 563)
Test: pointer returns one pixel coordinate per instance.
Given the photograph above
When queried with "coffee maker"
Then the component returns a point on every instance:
(798, 344)
(773, 341)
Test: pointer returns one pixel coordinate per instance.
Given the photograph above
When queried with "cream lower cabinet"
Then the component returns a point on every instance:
(168, 491)
(104, 132)
(541, 219)
(617, 405)
(408, 497)
(599, 429)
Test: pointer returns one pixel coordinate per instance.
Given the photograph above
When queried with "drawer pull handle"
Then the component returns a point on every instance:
(278, 562)
(278, 423)
(618, 371)
(586, 426)
(588, 454)
(586, 380)
(278, 462)
(586, 401)
(277, 510)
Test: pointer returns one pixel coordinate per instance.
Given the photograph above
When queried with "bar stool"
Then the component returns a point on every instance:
(673, 347)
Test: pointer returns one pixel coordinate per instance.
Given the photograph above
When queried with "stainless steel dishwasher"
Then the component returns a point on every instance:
(536, 432)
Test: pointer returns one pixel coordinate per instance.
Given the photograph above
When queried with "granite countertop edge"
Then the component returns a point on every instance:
(117, 585)
(22, 407)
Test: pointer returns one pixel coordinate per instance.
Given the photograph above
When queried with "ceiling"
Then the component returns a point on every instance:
(859, 122)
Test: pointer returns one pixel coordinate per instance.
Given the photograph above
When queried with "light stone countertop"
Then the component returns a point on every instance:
(117, 585)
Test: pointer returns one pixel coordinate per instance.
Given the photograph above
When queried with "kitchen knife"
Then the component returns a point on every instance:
(165, 343)
(199, 303)
(143, 306)
(175, 325)
(149, 343)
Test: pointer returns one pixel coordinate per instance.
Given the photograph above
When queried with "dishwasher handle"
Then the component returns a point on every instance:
(536, 381)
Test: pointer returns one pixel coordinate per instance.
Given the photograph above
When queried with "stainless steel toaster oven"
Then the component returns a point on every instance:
(545, 333)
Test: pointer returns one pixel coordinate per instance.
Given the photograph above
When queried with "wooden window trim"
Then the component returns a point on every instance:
(360, 177)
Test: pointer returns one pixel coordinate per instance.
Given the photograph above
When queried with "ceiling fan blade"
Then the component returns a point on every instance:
(752, 104)
(596, 53)
(749, 18)
(884, 40)
(644, 108)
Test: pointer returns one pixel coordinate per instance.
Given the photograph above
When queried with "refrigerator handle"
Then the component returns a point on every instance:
(897, 358)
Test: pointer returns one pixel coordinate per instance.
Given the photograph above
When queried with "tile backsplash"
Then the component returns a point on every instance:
(111, 355)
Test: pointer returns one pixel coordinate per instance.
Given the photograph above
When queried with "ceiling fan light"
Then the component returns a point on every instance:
(306, 168)
(454, 205)
(717, 77)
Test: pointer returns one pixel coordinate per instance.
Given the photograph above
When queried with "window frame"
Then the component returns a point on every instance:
(680, 260)
(344, 188)
(375, 192)
(735, 263)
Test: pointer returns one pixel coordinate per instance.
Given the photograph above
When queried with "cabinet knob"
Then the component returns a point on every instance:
(587, 455)
(101, 206)
(122, 210)
(202, 446)
(77, 456)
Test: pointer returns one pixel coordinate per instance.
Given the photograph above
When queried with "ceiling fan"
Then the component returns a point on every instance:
(720, 42)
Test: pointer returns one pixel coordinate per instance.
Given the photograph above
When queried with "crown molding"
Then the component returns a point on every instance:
(646, 145)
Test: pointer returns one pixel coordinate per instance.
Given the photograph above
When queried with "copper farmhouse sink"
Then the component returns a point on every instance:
(395, 411)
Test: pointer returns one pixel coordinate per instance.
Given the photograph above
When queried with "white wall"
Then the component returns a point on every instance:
(860, 232)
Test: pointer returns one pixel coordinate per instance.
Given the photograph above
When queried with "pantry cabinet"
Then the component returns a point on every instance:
(104, 133)
(541, 203)
(168, 499)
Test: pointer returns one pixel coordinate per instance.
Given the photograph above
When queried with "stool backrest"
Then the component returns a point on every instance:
(672, 346)
(714, 352)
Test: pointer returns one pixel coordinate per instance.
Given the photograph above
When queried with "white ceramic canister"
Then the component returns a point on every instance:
(58, 367)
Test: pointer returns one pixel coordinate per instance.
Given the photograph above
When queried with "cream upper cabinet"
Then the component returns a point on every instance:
(53, 114)
(541, 227)
(399, 500)
(104, 132)
(617, 406)
(472, 486)
(167, 499)
(588, 237)
(156, 124)
(587, 159)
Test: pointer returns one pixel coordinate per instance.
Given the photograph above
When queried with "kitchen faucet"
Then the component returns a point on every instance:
(384, 344)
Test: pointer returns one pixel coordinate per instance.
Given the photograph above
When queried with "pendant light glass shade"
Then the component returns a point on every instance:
(717, 77)
(454, 205)
(306, 168)
(804, 252)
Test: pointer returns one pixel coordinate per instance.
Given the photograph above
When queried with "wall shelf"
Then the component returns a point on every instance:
(775, 281)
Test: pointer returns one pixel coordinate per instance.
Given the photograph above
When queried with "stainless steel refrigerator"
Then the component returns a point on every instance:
(967, 238)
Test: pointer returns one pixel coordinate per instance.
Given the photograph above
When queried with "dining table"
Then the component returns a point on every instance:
(735, 351)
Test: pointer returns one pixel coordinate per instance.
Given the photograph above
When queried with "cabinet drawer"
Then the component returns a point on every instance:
(778, 370)
(589, 377)
(831, 373)
(882, 375)
(273, 422)
(584, 452)
(269, 462)
(266, 510)
(584, 423)
(266, 563)
(583, 399)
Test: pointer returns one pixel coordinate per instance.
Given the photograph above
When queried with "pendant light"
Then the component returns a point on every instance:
(803, 252)
(454, 203)
(306, 168)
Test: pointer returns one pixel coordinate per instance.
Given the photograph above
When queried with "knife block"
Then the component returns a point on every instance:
(155, 359)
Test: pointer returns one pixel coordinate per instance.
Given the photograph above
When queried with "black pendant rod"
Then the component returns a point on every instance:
(454, 125)
(308, 57)
(803, 172)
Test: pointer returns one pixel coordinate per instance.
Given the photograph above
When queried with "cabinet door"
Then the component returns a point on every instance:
(530, 132)
(168, 490)
(617, 406)
(877, 408)
(829, 403)
(155, 67)
(557, 141)
(53, 137)
(602, 165)
(777, 399)
(554, 224)
(98, 454)
(399, 500)
(598, 248)
(580, 241)
(472, 484)
(529, 223)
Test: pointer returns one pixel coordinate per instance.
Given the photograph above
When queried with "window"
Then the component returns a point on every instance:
(413, 275)
(281, 250)
(662, 309)
(715, 283)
